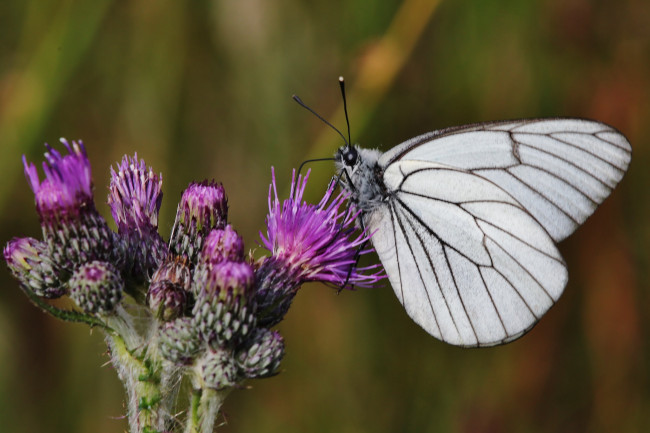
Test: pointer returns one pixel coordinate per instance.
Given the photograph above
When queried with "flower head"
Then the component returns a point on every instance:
(204, 204)
(169, 289)
(29, 262)
(218, 370)
(261, 354)
(135, 195)
(67, 187)
(221, 245)
(179, 342)
(74, 231)
(317, 241)
(224, 311)
(96, 287)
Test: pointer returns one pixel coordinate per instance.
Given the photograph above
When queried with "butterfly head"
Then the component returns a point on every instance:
(347, 155)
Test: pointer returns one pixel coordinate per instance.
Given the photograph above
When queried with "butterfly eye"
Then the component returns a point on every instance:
(350, 156)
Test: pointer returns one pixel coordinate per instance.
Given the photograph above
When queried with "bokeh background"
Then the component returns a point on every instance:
(202, 90)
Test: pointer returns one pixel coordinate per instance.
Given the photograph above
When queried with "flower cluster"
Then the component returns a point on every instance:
(195, 306)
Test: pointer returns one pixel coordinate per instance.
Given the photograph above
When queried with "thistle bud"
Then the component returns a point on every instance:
(218, 370)
(261, 354)
(30, 263)
(222, 245)
(178, 341)
(166, 300)
(203, 207)
(96, 287)
(224, 311)
(169, 289)
(175, 270)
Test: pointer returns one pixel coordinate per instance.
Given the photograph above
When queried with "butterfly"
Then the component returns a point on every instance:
(465, 220)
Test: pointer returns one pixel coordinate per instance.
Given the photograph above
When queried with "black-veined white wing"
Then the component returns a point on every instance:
(560, 170)
(467, 236)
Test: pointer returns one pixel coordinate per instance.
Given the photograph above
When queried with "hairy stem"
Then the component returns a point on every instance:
(204, 408)
(142, 377)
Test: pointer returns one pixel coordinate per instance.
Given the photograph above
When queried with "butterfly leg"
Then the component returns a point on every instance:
(357, 255)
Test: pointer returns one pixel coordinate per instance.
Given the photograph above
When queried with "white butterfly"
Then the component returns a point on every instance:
(465, 219)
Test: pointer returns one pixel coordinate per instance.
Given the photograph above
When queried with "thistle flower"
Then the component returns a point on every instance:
(308, 243)
(73, 229)
(203, 207)
(67, 187)
(135, 197)
(96, 287)
(30, 263)
(224, 311)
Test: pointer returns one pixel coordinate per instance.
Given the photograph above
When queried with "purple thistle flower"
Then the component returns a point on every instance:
(74, 231)
(317, 242)
(67, 187)
(308, 243)
(135, 197)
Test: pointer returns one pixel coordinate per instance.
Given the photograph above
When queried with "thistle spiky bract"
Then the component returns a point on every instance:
(197, 306)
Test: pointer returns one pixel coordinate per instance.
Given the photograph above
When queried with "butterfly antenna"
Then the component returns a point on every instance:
(303, 105)
(345, 108)
(313, 160)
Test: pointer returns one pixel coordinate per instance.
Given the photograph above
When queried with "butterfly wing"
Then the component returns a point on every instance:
(560, 170)
(468, 263)
(467, 234)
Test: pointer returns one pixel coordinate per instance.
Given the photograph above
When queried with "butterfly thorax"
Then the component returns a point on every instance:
(364, 179)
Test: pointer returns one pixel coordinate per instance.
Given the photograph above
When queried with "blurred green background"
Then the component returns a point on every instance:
(202, 90)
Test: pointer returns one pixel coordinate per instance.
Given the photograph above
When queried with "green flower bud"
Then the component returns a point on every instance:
(261, 354)
(224, 311)
(178, 341)
(30, 263)
(96, 287)
(218, 370)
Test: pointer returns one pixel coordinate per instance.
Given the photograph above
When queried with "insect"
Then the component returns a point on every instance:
(465, 219)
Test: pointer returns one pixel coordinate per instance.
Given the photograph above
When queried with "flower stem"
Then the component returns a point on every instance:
(142, 379)
(204, 408)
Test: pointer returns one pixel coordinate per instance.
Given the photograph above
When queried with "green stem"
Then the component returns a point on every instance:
(193, 419)
(142, 379)
(204, 408)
